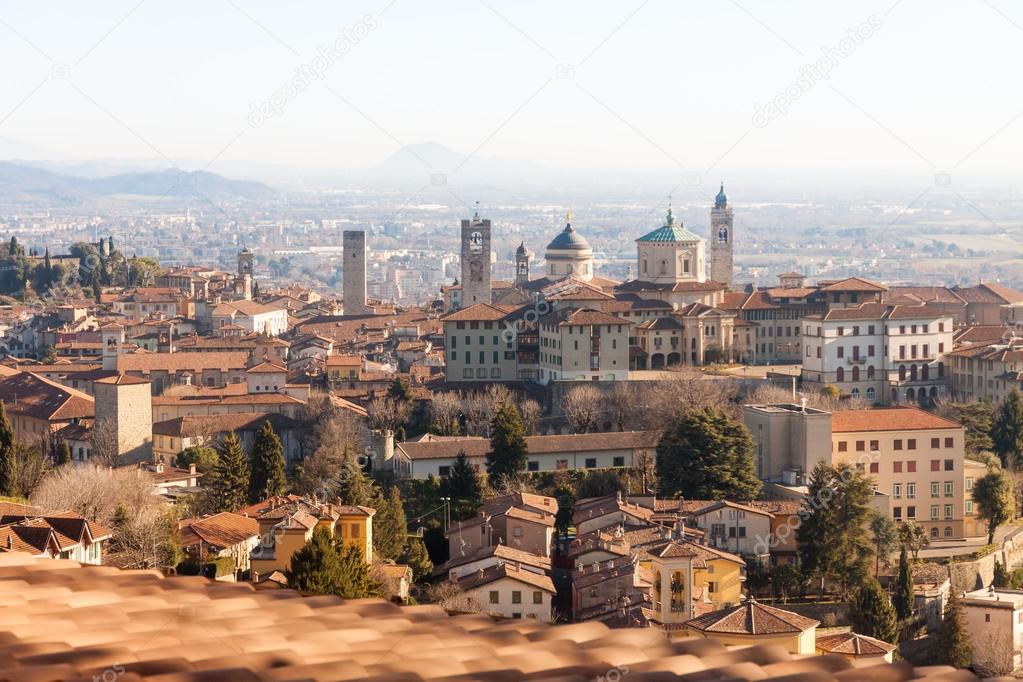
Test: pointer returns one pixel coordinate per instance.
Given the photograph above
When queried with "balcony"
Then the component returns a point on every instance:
(856, 361)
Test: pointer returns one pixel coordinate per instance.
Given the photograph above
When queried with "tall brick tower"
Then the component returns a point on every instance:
(353, 272)
(475, 261)
(522, 258)
(721, 239)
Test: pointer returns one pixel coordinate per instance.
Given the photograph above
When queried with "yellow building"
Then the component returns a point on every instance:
(689, 578)
(286, 523)
(756, 623)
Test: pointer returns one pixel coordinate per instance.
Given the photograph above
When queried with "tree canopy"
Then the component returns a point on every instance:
(228, 487)
(327, 565)
(266, 465)
(996, 504)
(507, 455)
(1007, 430)
(871, 612)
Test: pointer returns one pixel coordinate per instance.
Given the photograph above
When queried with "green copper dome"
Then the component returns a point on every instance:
(720, 201)
(671, 231)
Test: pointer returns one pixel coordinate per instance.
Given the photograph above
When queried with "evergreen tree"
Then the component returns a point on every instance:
(204, 458)
(389, 524)
(707, 455)
(400, 391)
(903, 599)
(353, 486)
(833, 539)
(507, 454)
(266, 465)
(996, 504)
(417, 558)
(885, 539)
(326, 565)
(63, 454)
(1007, 431)
(977, 417)
(872, 614)
(954, 647)
(229, 485)
(7, 445)
(463, 484)
(1001, 577)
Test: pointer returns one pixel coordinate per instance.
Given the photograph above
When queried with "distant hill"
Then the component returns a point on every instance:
(24, 183)
(421, 161)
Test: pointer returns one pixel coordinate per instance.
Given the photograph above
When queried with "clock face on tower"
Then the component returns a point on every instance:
(476, 242)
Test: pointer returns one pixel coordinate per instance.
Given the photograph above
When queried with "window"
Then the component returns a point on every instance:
(948, 512)
(843, 446)
(897, 513)
(935, 442)
(969, 484)
(950, 465)
(874, 468)
(444, 471)
(934, 512)
(875, 445)
(911, 467)
(841, 352)
(537, 597)
(948, 531)
(949, 488)
(910, 491)
(911, 444)
(910, 512)
(494, 598)
(861, 445)
(935, 465)
(516, 596)
(533, 466)
(897, 491)
(517, 531)
(618, 461)
(949, 442)
(591, 462)
(934, 489)
(897, 444)
(897, 467)
(969, 507)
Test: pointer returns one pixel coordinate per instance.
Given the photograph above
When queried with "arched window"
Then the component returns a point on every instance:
(855, 393)
(644, 266)
(870, 393)
(902, 372)
(664, 267)
(925, 372)
(934, 533)
(685, 265)
(912, 372)
(855, 373)
(840, 374)
(948, 531)
(723, 235)
(870, 372)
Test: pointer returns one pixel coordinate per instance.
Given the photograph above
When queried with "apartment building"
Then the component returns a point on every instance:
(915, 459)
(478, 346)
(583, 344)
(879, 353)
(986, 372)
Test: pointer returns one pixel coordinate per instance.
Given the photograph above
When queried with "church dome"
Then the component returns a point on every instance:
(569, 240)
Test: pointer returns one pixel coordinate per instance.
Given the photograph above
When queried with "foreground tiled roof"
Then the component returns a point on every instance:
(888, 419)
(852, 644)
(62, 621)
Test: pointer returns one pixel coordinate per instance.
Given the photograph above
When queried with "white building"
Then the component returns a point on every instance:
(880, 353)
(583, 344)
(994, 619)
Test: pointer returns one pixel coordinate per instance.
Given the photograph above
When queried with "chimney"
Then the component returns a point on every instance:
(191, 469)
(10, 542)
(479, 574)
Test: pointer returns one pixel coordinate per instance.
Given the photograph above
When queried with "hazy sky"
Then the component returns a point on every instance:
(926, 86)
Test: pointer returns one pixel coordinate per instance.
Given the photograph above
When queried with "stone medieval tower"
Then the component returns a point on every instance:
(475, 261)
(353, 272)
(722, 235)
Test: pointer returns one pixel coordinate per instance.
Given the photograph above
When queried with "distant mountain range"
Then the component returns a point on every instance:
(26, 182)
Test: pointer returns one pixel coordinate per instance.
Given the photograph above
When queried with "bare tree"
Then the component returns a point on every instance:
(478, 408)
(201, 430)
(449, 596)
(772, 394)
(95, 493)
(387, 414)
(623, 409)
(334, 435)
(146, 540)
(445, 408)
(104, 448)
(582, 407)
(685, 389)
(644, 465)
(531, 414)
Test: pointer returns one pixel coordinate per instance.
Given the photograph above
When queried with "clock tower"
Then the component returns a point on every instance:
(475, 261)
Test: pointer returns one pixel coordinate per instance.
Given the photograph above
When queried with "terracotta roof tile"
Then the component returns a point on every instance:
(888, 419)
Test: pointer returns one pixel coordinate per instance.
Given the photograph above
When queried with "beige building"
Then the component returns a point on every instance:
(583, 344)
(478, 346)
(756, 623)
(994, 619)
(123, 403)
(915, 457)
(510, 591)
(987, 372)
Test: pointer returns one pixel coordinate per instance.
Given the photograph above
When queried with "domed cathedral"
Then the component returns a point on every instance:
(569, 255)
(672, 267)
(721, 234)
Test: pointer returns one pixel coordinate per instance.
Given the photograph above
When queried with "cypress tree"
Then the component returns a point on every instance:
(507, 454)
(871, 612)
(463, 483)
(266, 464)
(6, 451)
(230, 480)
(1001, 578)
(1007, 431)
(417, 558)
(954, 647)
(389, 524)
(903, 599)
(707, 455)
(353, 486)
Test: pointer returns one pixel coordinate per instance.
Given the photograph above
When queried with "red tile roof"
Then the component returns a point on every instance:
(888, 419)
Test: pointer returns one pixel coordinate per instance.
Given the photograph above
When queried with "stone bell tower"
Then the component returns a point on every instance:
(475, 261)
(722, 236)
